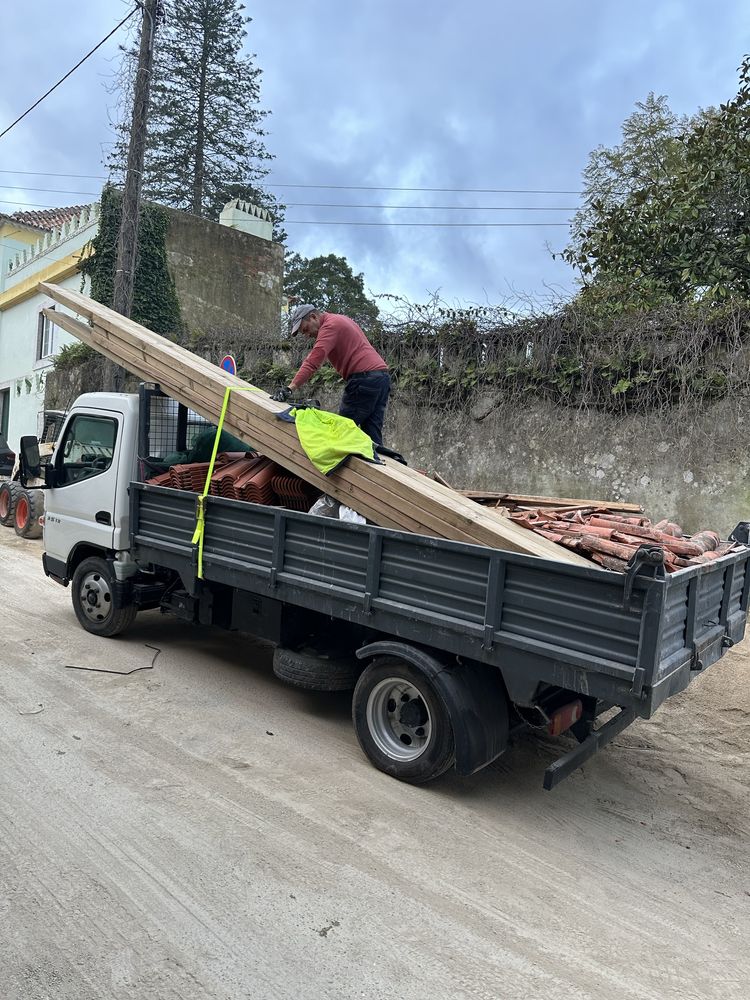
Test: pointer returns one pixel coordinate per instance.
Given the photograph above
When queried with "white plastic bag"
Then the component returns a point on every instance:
(347, 514)
(325, 506)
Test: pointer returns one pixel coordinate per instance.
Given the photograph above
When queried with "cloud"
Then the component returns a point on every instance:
(401, 94)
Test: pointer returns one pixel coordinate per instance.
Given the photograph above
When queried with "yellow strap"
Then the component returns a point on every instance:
(201, 514)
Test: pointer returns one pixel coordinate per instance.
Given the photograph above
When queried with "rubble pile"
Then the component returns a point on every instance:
(611, 539)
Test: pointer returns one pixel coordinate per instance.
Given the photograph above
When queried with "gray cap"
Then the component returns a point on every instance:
(299, 314)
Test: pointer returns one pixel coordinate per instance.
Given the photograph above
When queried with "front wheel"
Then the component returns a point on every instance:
(401, 722)
(92, 593)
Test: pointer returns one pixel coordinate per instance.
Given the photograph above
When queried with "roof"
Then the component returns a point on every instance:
(48, 218)
(17, 222)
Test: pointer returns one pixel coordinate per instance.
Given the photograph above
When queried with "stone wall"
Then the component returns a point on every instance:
(689, 467)
(692, 468)
(227, 281)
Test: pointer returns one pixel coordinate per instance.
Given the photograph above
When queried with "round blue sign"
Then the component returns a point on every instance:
(229, 364)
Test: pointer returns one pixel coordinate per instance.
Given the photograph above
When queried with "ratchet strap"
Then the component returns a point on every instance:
(200, 523)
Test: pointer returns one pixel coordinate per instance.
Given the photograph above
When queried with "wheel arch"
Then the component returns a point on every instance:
(81, 551)
(474, 694)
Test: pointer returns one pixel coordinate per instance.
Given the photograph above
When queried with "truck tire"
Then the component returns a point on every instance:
(401, 722)
(91, 592)
(313, 671)
(28, 509)
(8, 494)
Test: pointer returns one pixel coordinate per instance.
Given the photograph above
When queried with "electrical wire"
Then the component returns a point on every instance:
(348, 222)
(436, 225)
(363, 187)
(69, 73)
(319, 204)
(330, 187)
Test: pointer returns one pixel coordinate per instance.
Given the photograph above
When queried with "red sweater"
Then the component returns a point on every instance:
(343, 343)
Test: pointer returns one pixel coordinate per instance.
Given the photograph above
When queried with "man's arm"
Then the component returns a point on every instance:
(320, 351)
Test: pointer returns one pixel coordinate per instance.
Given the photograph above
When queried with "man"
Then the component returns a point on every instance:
(339, 340)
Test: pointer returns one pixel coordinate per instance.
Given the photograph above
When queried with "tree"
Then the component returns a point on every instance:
(650, 152)
(205, 133)
(330, 284)
(679, 230)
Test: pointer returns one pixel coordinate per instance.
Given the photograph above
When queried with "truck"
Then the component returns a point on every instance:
(451, 649)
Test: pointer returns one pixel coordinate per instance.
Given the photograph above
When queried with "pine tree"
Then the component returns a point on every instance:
(205, 127)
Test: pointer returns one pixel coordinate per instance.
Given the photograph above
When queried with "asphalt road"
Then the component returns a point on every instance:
(199, 830)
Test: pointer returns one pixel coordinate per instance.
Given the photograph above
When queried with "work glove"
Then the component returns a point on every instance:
(282, 395)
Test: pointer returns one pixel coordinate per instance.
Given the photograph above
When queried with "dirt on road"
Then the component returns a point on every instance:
(199, 830)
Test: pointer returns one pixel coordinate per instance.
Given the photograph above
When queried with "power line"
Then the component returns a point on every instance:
(431, 208)
(319, 204)
(18, 187)
(41, 173)
(347, 222)
(332, 187)
(437, 225)
(362, 187)
(69, 73)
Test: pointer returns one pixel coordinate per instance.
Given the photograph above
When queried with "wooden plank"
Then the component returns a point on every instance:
(537, 501)
(389, 494)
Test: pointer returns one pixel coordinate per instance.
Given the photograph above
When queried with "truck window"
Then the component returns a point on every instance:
(87, 448)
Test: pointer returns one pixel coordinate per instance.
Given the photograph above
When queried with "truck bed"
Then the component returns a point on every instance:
(630, 640)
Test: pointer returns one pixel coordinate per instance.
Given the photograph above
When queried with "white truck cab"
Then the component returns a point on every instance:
(88, 477)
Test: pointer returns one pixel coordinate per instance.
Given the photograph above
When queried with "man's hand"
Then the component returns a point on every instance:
(282, 395)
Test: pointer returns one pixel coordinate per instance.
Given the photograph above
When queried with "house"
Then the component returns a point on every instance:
(227, 275)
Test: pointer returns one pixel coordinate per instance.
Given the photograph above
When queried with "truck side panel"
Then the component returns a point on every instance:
(540, 622)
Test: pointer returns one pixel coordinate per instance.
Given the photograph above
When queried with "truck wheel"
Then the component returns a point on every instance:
(314, 671)
(92, 599)
(8, 494)
(401, 722)
(29, 508)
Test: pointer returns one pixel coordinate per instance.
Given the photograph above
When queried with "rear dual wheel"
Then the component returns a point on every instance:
(402, 722)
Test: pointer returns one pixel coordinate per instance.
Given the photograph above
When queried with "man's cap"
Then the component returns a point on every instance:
(299, 314)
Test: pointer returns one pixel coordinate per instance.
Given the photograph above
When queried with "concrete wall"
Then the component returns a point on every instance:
(227, 281)
(690, 467)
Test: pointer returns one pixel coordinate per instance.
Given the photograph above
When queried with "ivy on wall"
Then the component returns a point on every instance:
(155, 303)
(448, 359)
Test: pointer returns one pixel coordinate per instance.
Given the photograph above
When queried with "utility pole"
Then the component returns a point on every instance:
(127, 242)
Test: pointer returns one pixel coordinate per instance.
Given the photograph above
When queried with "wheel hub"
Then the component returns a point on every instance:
(96, 597)
(398, 719)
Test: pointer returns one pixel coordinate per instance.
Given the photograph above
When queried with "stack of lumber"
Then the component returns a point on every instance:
(389, 494)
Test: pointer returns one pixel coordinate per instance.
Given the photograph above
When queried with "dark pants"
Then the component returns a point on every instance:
(364, 401)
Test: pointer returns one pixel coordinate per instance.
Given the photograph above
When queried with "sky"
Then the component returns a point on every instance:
(497, 102)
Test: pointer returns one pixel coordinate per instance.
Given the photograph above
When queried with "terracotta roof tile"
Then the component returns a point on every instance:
(49, 218)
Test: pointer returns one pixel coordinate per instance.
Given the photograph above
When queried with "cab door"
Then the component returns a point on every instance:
(81, 506)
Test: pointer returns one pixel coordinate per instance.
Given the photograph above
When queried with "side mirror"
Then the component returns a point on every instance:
(29, 461)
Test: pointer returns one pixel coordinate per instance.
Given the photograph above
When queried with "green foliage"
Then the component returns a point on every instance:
(205, 129)
(677, 229)
(330, 284)
(72, 356)
(155, 302)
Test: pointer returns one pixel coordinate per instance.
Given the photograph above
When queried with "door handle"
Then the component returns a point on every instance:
(103, 517)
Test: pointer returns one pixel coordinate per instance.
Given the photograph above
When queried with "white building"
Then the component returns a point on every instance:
(49, 245)
(34, 247)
